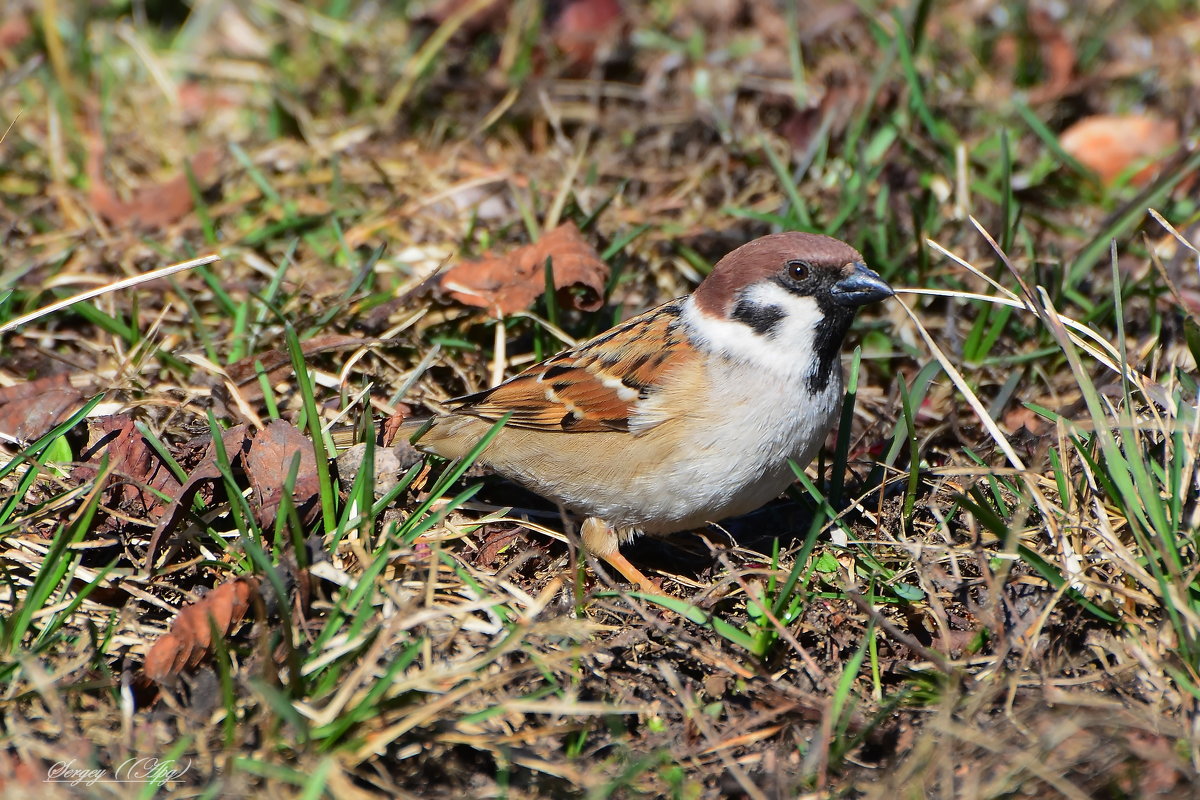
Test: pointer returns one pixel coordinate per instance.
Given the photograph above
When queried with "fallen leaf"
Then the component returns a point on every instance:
(1159, 769)
(1056, 52)
(135, 468)
(391, 426)
(14, 30)
(20, 775)
(497, 537)
(583, 27)
(30, 409)
(190, 638)
(1110, 145)
(1020, 417)
(268, 463)
(510, 283)
(842, 85)
(200, 101)
(236, 441)
(153, 206)
(1058, 56)
(262, 459)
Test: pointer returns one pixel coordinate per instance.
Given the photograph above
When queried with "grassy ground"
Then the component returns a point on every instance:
(986, 587)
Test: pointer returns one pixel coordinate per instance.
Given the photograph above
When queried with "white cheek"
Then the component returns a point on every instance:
(788, 350)
(801, 314)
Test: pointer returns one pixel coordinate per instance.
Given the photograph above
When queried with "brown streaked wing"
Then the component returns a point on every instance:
(591, 388)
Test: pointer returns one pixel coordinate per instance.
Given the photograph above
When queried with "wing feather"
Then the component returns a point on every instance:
(594, 387)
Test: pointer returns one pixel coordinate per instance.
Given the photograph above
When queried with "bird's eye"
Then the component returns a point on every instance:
(798, 270)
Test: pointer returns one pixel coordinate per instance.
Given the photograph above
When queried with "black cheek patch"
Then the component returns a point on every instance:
(762, 319)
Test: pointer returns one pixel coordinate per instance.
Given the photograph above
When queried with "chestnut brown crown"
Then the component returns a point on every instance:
(768, 256)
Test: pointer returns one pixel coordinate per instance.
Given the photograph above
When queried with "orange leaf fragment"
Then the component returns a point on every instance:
(583, 26)
(391, 426)
(1111, 144)
(510, 283)
(190, 638)
(154, 206)
(1058, 56)
(14, 30)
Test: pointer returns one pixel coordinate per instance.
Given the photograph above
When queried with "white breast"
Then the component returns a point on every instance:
(754, 412)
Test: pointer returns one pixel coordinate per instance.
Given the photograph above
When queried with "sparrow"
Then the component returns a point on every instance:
(687, 413)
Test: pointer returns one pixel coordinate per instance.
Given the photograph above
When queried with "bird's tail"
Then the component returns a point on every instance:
(386, 435)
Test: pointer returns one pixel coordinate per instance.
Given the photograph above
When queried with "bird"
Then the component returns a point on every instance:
(687, 413)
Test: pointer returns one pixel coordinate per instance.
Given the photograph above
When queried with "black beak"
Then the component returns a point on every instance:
(860, 287)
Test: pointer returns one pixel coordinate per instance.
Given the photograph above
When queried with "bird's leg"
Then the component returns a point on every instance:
(601, 540)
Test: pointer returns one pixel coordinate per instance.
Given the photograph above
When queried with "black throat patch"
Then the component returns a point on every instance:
(827, 343)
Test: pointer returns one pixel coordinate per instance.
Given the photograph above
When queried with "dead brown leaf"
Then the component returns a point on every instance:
(1020, 417)
(584, 27)
(136, 469)
(236, 441)
(153, 206)
(30, 409)
(1058, 56)
(578, 28)
(1056, 52)
(199, 101)
(263, 459)
(391, 426)
(14, 30)
(190, 638)
(20, 773)
(1111, 144)
(496, 537)
(1160, 772)
(268, 462)
(510, 283)
(844, 86)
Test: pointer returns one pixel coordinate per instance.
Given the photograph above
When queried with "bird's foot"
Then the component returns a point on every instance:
(601, 540)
